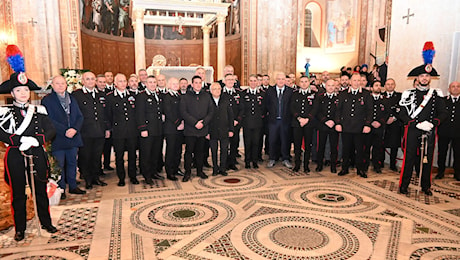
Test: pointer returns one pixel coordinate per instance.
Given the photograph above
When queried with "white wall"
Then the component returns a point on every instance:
(433, 20)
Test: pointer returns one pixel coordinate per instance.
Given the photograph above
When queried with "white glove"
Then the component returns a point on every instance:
(425, 126)
(27, 142)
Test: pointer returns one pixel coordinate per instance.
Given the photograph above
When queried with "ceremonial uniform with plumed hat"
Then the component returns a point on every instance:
(422, 109)
(25, 128)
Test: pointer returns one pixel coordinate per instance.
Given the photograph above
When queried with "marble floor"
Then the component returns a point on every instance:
(252, 214)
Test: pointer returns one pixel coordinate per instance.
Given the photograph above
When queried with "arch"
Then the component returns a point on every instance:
(312, 24)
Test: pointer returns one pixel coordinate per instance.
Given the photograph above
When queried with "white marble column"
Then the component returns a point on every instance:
(206, 55)
(220, 45)
(139, 41)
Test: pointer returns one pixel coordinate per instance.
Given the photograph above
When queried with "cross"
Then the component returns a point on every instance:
(180, 22)
(408, 16)
(32, 21)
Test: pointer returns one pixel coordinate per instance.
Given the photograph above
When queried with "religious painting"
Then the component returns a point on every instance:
(341, 25)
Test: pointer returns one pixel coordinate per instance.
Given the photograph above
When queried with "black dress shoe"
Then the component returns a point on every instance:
(223, 173)
(215, 172)
(121, 183)
(439, 176)
(63, 196)
(156, 176)
(255, 165)
(134, 180)
(202, 175)
(333, 170)
(149, 181)
(19, 236)
(428, 192)
(361, 173)
(108, 168)
(89, 186)
(403, 191)
(378, 170)
(296, 168)
(343, 172)
(247, 166)
(172, 178)
(50, 228)
(186, 178)
(180, 173)
(232, 167)
(77, 191)
(99, 182)
(306, 170)
(319, 168)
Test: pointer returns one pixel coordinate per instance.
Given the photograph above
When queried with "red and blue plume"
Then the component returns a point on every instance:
(15, 58)
(428, 52)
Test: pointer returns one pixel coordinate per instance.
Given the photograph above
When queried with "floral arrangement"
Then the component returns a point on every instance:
(54, 169)
(72, 78)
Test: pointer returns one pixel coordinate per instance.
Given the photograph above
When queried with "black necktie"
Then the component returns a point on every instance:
(280, 103)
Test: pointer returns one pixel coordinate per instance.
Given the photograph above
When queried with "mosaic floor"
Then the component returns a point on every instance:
(252, 214)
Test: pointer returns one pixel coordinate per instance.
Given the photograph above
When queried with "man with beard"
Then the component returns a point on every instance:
(422, 109)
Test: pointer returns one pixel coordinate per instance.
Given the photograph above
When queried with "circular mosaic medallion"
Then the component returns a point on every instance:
(237, 179)
(297, 236)
(176, 219)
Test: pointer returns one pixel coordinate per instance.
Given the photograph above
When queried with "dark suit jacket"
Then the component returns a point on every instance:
(121, 115)
(222, 120)
(195, 107)
(62, 122)
(94, 124)
(451, 126)
(271, 103)
(171, 110)
(148, 114)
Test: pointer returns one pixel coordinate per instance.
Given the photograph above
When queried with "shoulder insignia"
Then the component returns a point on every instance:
(41, 109)
(439, 92)
(4, 110)
(406, 93)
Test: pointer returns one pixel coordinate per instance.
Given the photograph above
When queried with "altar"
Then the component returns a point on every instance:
(180, 72)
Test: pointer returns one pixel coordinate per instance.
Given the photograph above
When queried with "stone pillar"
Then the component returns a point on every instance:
(206, 56)
(139, 41)
(220, 45)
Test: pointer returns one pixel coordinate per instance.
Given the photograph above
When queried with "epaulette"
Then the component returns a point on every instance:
(41, 109)
(406, 93)
(439, 92)
(4, 110)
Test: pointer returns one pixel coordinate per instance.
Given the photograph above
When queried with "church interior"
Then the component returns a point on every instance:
(264, 213)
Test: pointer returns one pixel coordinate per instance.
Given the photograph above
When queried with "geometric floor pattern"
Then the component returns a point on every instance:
(252, 214)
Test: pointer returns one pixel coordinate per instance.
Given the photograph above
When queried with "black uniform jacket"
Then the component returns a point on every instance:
(354, 111)
(149, 113)
(94, 124)
(302, 106)
(222, 120)
(326, 107)
(120, 115)
(451, 126)
(253, 109)
(171, 110)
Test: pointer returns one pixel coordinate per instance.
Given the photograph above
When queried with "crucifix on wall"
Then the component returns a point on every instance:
(408, 16)
(32, 21)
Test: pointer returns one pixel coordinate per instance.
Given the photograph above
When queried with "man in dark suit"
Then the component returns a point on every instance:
(448, 132)
(253, 113)
(233, 96)
(326, 107)
(353, 120)
(142, 73)
(121, 122)
(149, 113)
(378, 123)
(277, 100)
(303, 122)
(173, 129)
(220, 129)
(67, 118)
(92, 105)
(393, 131)
(197, 111)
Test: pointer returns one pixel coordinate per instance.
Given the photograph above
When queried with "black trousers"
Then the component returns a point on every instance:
(120, 145)
(443, 145)
(375, 140)
(333, 144)
(160, 163)
(280, 140)
(15, 168)
(412, 143)
(194, 145)
(234, 143)
(251, 138)
(214, 144)
(173, 152)
(353, 144)
(107, 151)
(89, 158)
(264, 145)
(149, 149)
(300, 133)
